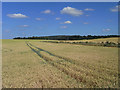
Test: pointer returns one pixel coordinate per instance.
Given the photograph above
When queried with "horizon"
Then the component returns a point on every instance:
(26, 19)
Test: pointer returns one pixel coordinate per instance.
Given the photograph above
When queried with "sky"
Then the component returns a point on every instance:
(25, 19)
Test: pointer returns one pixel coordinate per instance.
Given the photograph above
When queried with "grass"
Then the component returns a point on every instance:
(35, 64)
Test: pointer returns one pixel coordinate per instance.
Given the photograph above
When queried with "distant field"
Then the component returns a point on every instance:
(35, 64)
(115, 40)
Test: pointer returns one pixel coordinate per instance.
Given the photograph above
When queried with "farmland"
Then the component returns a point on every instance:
(36, 64)
(106, 42)
(115, 40)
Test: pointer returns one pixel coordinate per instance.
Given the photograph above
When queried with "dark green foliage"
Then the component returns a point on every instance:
(67, 37)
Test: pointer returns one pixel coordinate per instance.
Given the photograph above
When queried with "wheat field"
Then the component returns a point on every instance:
(35, 64)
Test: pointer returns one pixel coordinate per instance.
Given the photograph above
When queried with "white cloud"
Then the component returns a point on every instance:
(63, 27)
(46, 11)
(24, 25)
(117, 6)
(58, 18)
(106, 30)
(85, 23)
(87, 15)
(89, 9)
(71, 11)
(38, 19)
(17, 15)
(67, 22)
(115, 9)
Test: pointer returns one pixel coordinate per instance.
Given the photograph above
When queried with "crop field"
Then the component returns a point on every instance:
(35, 64)
(114, 39)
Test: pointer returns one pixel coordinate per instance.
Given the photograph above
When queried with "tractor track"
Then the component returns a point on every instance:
(60, 65)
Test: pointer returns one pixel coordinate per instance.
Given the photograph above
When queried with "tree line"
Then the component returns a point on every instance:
(67, 37)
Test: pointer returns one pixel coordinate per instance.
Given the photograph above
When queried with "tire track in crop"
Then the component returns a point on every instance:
(71, 61)
(60, 65)
(74, 62)
(91, 67)
(67, 72)
(68, 59)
